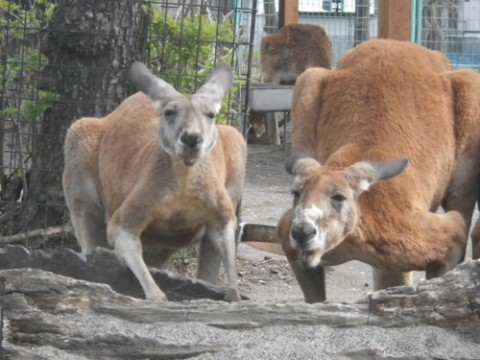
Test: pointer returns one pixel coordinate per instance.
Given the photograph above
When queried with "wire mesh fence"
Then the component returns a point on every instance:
(449, 26)
(452, 27)
(62, 60)
(348, 23)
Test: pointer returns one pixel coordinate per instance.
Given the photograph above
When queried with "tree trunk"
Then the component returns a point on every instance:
(90, 45)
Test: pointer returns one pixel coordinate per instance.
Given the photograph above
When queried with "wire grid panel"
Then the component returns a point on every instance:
(347, 22)
(22, 105)
(452, 27)
(188, 38)
(180, 40)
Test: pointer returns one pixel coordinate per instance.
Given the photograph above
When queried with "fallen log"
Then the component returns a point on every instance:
(47, 316)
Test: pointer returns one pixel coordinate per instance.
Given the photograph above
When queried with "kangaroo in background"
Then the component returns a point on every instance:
(283, 57)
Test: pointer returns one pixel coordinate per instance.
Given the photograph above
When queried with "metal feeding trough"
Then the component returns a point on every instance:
(271, 98)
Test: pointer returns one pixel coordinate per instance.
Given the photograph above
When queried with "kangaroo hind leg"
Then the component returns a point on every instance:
(81, 194)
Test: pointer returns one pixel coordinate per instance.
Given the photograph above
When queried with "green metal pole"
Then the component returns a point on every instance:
(413, 22)
(418, 22)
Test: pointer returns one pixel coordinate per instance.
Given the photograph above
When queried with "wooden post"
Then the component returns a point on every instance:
(287, 12)
(291, 12)
(395, 19)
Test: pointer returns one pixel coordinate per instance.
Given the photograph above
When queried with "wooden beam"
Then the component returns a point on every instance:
(290, 13)
(395, 19)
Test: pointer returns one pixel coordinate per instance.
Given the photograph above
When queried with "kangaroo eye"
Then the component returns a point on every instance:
(338, 198)
(210, 115)
(337, 201)
(169, 112)
(296, 197)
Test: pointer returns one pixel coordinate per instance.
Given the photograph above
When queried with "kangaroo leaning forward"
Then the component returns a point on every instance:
(378, 145)
(157, 175)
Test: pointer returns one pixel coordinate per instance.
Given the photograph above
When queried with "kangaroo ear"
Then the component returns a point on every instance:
(363, 175)
(217, 85)
(301, 165)
(158, 90)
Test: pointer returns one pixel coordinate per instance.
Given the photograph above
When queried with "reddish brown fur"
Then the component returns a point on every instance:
(389, 100)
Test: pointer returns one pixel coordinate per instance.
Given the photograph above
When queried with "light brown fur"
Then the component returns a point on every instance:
(387, 100)
(122, 185)
(284, 56)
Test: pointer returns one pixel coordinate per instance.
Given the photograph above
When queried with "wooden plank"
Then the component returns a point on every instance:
(395, 19)
(291, 12)
(287, 12)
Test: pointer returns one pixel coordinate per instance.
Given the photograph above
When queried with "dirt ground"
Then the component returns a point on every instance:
(267, 277)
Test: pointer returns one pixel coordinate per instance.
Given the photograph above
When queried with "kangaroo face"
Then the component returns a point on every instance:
(187, 123)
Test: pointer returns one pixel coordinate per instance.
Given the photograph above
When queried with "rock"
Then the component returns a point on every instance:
(50, 316)
(105, 267)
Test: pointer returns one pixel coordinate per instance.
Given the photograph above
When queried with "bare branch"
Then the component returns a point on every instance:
(46, 234)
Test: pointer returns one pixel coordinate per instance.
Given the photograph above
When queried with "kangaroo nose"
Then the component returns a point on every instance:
(191, 140)
(302, 233)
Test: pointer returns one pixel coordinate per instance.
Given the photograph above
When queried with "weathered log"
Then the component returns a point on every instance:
(452, 300)
(49, 316)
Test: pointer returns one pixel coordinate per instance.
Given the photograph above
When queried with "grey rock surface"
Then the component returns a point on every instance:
(105, 267)
(50, 316)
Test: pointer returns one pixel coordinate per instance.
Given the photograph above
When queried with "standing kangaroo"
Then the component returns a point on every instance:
(157, 175)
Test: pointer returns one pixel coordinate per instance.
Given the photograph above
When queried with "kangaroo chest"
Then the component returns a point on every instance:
(179, 218)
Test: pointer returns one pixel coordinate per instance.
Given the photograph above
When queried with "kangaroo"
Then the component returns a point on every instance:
(283, 57)
(157, 175)
(378, 145)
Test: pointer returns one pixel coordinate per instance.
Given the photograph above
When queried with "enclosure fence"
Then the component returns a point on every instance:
(452, 27)
(449, 26)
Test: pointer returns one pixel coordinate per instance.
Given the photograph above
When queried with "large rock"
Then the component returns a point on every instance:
(105, 267)
(49, 316)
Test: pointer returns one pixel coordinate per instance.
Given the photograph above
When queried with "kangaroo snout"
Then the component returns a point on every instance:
(302, 233)
(191, 140)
